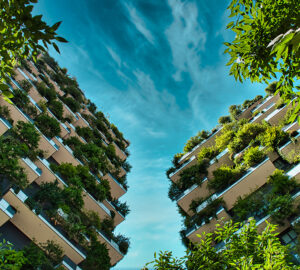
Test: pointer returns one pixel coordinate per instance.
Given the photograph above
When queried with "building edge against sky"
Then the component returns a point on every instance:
(238, 171)
(78, 154)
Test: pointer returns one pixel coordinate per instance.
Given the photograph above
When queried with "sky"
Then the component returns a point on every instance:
(156, 68)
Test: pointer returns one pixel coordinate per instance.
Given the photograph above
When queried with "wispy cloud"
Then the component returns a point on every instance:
(139, 23)
(114, 55)
(186, 38)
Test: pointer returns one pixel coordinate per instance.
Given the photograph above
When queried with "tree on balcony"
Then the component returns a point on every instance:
(244, 248)
(49, 126)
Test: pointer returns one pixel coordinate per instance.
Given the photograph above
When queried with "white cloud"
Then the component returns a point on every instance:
(140, 24)
(186, 38)
(114, 55)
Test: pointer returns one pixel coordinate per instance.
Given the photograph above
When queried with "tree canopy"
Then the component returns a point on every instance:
(21, 36)
(266, 44)
(240, 247)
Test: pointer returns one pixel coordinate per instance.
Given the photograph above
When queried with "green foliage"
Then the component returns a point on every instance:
(10, 259)
(56, 108)
(97, 257)
(123, 243)
(21, 100)
(195, 140)
(174, 191)
(224, 177)
(74, 92)
(53, 251)
(26, 86)
(208, 152)
(10, 168)
(235, 111)
(24, 64)
(245, 249)
(247, 103)
(49, 126)
(121, 207)
(48, 93)
(266, 44)
(86, 133)
(193, 175)
(280, 208)
(273, 137)
(21, 35)
(271, 88)
(224, 119)
(253, 156)
(71, 103)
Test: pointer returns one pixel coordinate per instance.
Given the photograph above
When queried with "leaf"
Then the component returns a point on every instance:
(56, 47)
(8, 94)
(3, 86)
(61, 39)
(7, 99)
(55, 26)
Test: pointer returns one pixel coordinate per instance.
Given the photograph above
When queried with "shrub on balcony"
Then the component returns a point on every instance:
(247, 103)
(25, 85)
(97, 257)
(193, 175)
(235, 111)
(56, 108)
(74, 92)
(195, 203)
(281, 183)
(5, 113)
(92, 107)
(29, 138)
(121, 207)
(208, 152)
(126, 166)
(174, 191)
(273, 137)
(280, 208)
(21, 100)
(46, 92)
(195, 140)
(86, 133)
(271, 88)
(224, 119)
(280, 103)
(71, 103)
(25, 65)
(49, 126)
(209, 211)
(253, 156)
(10, 168)
(224, 177)
(123, 243)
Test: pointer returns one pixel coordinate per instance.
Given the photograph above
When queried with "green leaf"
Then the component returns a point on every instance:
(61, 39)
(8, 94)
(3, 86)
(55, 26)
(55, 47)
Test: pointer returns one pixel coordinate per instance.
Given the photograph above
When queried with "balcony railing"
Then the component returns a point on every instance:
(5, 122)
(37, 170)
(7, 208)
(183, 165)
(260, 105)
(186, 192)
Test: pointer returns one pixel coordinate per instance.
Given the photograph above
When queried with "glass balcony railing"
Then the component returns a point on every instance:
(187, 191)
(68, 263)
(7, 208)
(36, 169)
(223, 153)
(197, 146)
(260, 105)
(294, 171)
(5, 122)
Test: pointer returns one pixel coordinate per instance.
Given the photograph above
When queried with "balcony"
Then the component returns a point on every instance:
(277, 115)
(68, 264)
(116, 189)
(119, 152)
(295, 172)
(193, 193)
(263, 114)
(68, 112)
(269, 100)
(291, 147)
(31, 170)
(218, 161)
(247, 113)
(81, 122)
(64, 153)
(176, 175)
(191, 233)
(4, 125)
(64, 130)
(7, 211)
(48, 176)
(91, 204)
(73, 133)
(206, 143)
(252, 180)
(113, 249)
(38, 228)
(291, 127)
(15, 113)
(118, 216)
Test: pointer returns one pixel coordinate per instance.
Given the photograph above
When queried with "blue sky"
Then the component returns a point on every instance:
(156, 68)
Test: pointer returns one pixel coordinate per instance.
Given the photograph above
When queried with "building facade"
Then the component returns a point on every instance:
(248, 166)
(63, 169)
